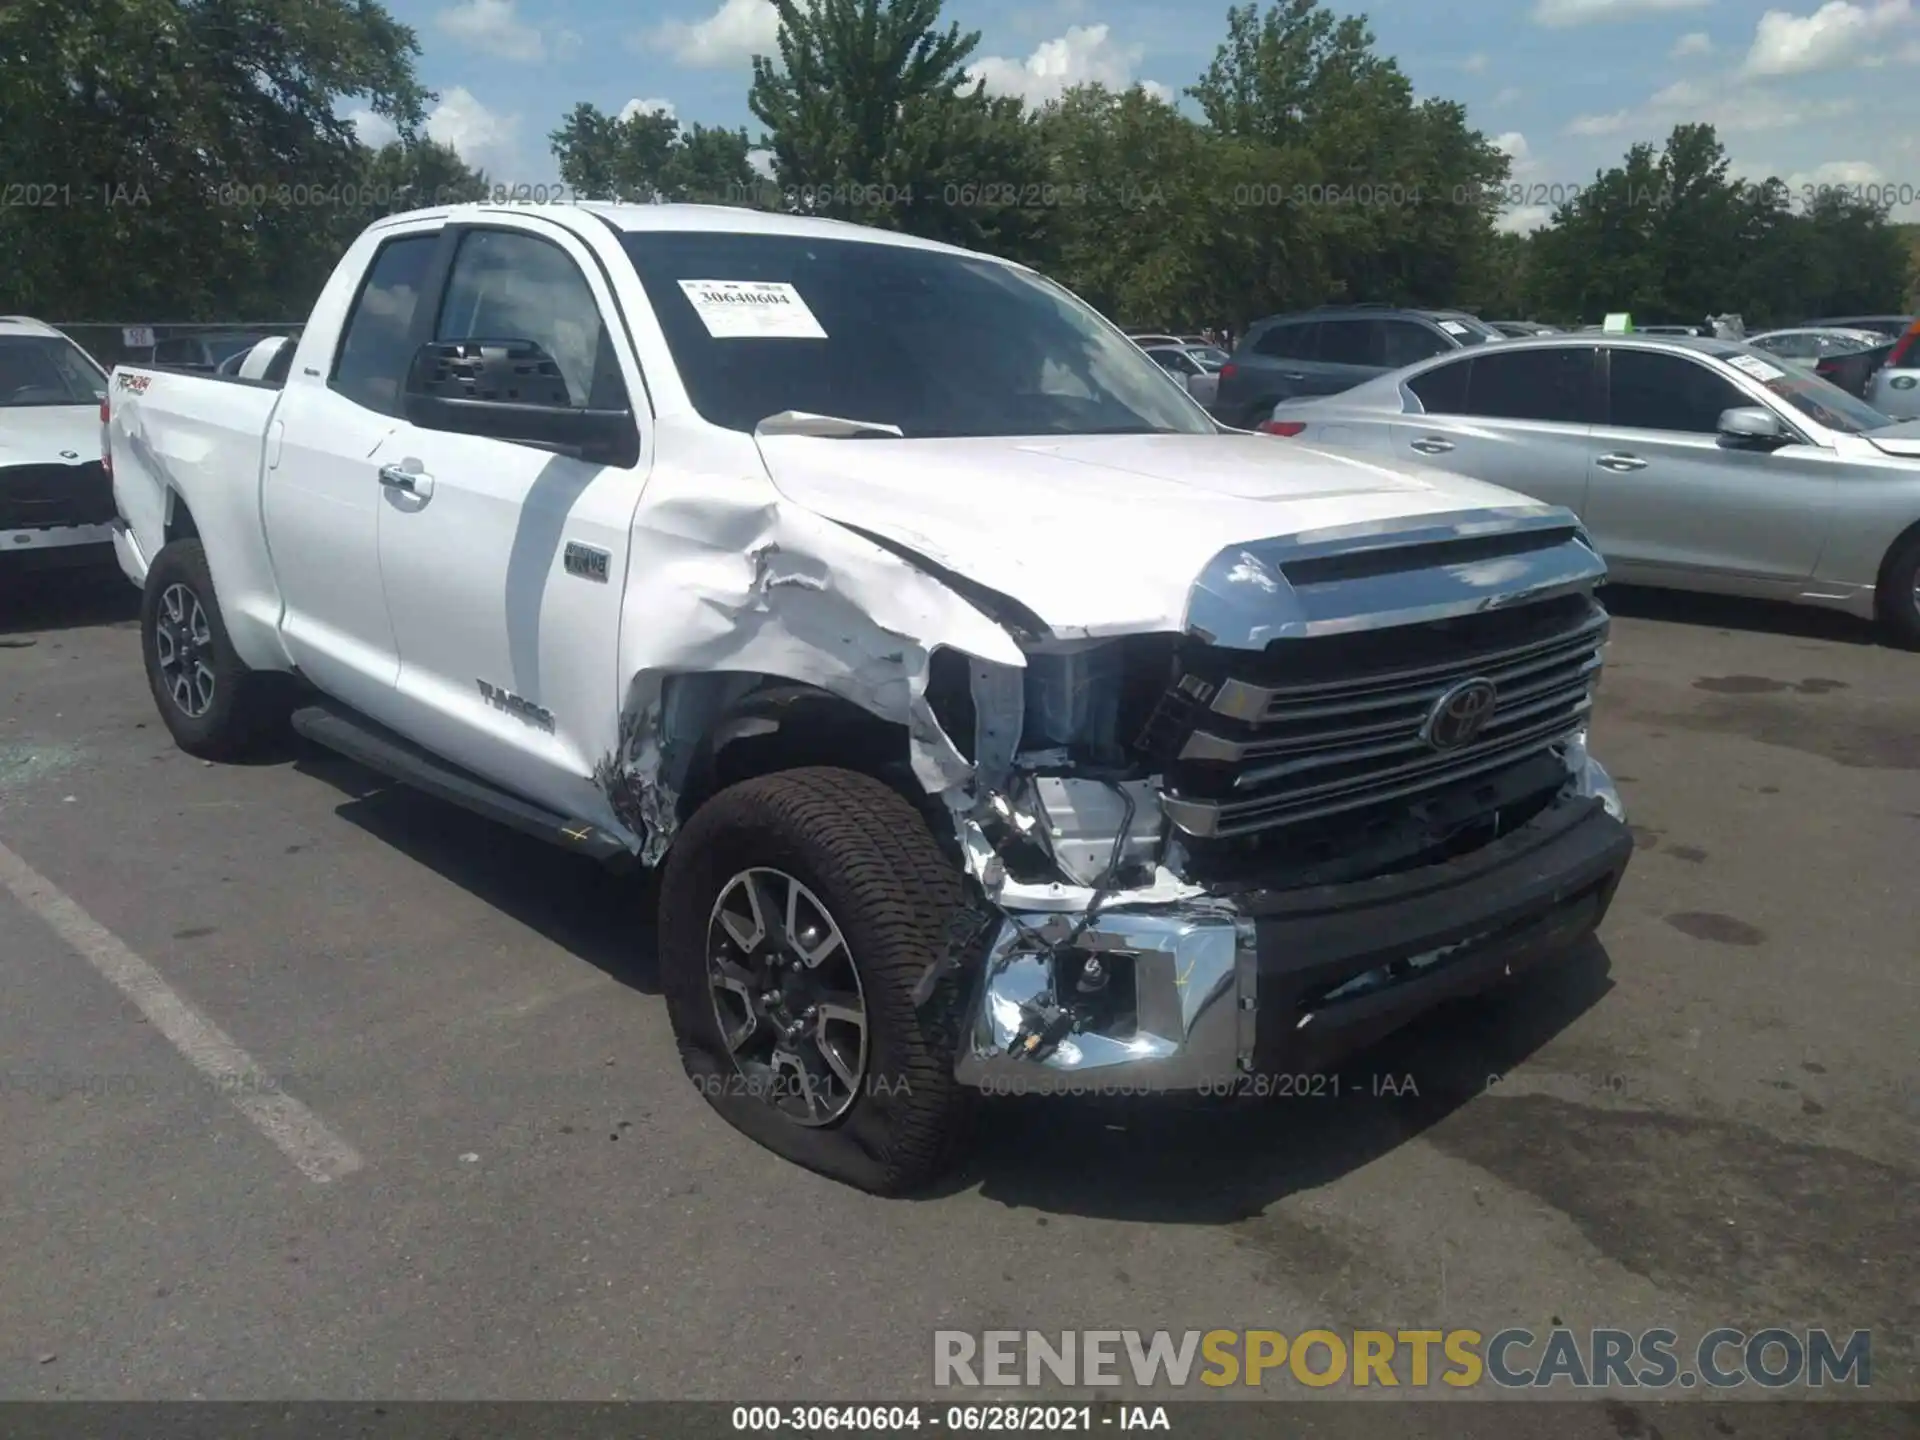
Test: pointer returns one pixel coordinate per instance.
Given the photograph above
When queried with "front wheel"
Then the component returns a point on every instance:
(798, 912)
(1899, 595)
(213, 705)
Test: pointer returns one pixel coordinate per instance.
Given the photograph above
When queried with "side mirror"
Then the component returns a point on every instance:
(512, 390)
(1752, 427)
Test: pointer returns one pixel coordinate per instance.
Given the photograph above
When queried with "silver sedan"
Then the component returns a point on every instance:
(1695, 464)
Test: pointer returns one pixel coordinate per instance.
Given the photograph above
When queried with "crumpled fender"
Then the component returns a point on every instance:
(728, 582)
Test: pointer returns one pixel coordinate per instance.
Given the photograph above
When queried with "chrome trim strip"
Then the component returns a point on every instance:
(1242, 599)
(1574, 704)
(1242, 700)
(1212, 820)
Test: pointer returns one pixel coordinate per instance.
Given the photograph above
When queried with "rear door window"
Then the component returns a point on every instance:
(1536, 384)
(1443, 389)
(1351, 342)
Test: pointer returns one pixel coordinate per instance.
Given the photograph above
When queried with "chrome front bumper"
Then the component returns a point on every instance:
(1194, 968)
(1231, 986)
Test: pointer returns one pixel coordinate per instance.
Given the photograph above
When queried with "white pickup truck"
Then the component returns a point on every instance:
(1001, 721)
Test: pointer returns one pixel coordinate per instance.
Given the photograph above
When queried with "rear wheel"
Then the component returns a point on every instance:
(1899, 595)
(798, 912)
(213, 705)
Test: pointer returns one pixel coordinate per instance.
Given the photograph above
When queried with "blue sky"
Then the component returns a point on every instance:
(1817, 93)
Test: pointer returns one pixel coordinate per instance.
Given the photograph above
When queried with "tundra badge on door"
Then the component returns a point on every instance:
(516, 705)
(589, 562)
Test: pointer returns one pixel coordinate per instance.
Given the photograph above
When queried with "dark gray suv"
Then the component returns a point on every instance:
(1333, 348)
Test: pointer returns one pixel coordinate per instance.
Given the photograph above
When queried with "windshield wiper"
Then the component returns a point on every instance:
(826, 427)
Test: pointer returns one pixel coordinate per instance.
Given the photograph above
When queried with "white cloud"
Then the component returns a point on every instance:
(1475, 63)
(1837, 172)
(646, 107)
(1560, 14)
(567, 44)
(1695, 42)
(372, 130)
(1514, 146)
(1732, 108)
(1611, 123)
(762, 162)
(1838, 34)
(1509, 95)
(483, 139)
(493, 27)
(1524, 219)
(1086, 54)
(731, 36)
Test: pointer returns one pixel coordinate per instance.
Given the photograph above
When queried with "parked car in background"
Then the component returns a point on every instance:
(1521, 329)
(56, 502)
(207, 352)
(1894, 387)
(1695, 464)
(1891, 326)
(1848, 358)
(1195, 366)
(1333, 348)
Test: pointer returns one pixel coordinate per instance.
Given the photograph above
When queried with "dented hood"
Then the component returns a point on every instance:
(1101, 535)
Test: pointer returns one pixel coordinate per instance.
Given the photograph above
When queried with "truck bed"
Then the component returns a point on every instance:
(189, 443)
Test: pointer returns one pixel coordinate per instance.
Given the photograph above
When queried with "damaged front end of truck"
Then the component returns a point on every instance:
(1356, 783)
(1353, 782)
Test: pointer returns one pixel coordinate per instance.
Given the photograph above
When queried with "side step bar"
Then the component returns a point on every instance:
(378, 748)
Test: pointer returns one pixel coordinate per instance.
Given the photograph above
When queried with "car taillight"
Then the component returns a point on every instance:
(1281, 427)
(1229, 370)
(1903, 349)
(106, 450)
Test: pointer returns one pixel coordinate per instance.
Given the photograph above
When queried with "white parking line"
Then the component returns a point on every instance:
(302, 1136)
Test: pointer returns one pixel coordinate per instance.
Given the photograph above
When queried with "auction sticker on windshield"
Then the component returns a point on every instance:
(752, 309)
(1453, 327)
(1756, 367)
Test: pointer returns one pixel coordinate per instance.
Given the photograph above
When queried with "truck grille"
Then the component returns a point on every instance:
(34, 497)
(1321, 726)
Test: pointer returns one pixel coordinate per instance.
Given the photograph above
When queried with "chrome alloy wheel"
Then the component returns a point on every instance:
(787, 996)
(182, 643)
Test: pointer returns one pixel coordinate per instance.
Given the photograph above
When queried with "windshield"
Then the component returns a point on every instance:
(47, 370)
(935, 343)
(1211, 356)
(1819, 400)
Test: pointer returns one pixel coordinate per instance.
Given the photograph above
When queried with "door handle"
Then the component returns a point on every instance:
(1432, 445)
(1620, 461)
(1293, 375)
(412, 482)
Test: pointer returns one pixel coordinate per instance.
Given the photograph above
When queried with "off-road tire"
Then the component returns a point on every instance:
(869, 856)
(247, 705)
(1899, 595)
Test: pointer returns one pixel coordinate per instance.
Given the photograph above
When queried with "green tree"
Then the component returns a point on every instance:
(1404, 194)
(1673, 236)
(1162, 222)
(185, 142)
(870, 117)
(648, 157)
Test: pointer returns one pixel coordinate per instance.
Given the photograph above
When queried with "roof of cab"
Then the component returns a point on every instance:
(728, 219)
(24, 325)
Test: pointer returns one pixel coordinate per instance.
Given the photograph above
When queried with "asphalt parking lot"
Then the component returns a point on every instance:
(1709, 1118)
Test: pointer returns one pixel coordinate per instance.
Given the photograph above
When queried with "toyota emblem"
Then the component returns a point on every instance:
(1460, 714)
